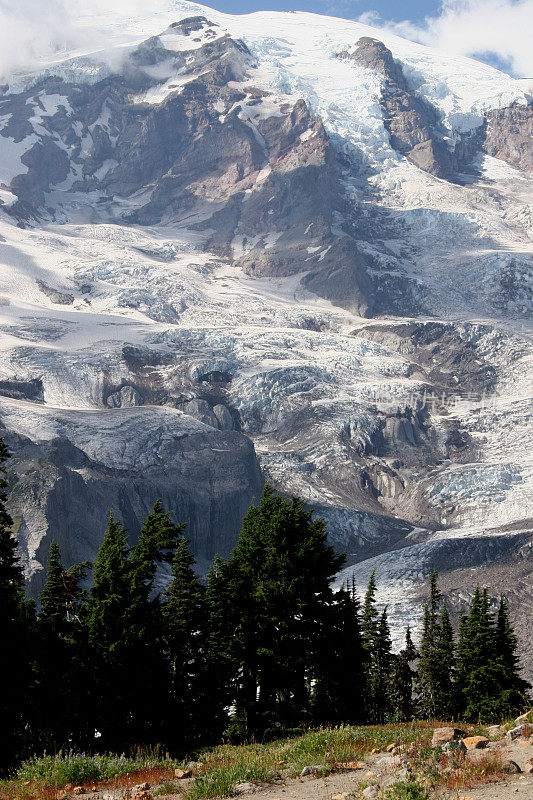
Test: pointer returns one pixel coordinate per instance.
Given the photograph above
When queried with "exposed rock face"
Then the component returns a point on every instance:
(412, 123)
(68, 471)
(127, 397)
(211, 146)
(508, 135)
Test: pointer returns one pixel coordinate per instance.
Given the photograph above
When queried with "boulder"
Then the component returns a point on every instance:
(514, 733)
(223, 415)
(523, 718)
(475, 742)
(511, 767)
(126, 397)
(315, 769)
(529, 766)
(180, 774)
(496, 731)
(349, 765)
(370, 792)
(454, 746)
(242, 788)
(443, 735)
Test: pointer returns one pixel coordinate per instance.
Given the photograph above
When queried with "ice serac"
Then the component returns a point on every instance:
(272, 246)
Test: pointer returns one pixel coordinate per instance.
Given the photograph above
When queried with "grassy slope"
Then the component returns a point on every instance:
(221, 768)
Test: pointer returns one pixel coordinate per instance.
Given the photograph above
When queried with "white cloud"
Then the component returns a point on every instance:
(473, 28)
(34, 30)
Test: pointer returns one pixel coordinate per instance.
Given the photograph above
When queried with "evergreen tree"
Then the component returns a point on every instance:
(382, 671)
(16, 652)
(279, 576)
(478, 671)
(402, 698)
(485, 687)
(461, 663)
(220, 664)
(156, 545)
(112, 637)
(183, 637)
(340, 678)
(151, 681)
(370, 622)
(514, 690)
(378, 656)
(62, 657)
(444, 666)
(434, 677)
(126, 630)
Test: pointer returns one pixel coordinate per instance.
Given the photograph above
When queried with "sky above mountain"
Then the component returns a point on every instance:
(495, 31)
(415, 10)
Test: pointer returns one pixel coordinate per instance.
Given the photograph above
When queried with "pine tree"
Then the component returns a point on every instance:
(383, 669)
(126, 630)
(434, 677)
(340, 678)
(155, 548)
(478, 671)
(444, 666)
(183, 638)
(16, 653)
(461, 663)
(156, 545)
(220, 664)
(402, 698)
(513, 688)
(280, 574)
(370, 614)
(62, 657)
(377, 646)
(112, 638)
(488, 684)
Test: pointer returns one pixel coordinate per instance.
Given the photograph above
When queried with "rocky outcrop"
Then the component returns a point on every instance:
(412, 123)
(126, 397)
(508, 135)
(66, 476)
(205, 145)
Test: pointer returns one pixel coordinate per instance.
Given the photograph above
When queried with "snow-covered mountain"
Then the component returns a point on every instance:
(275, 246)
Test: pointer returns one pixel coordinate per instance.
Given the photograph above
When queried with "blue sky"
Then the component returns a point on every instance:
(414, 10)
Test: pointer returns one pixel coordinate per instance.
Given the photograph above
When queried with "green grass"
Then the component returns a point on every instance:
(77, 769)
(218, 770)
(168, 787)
(407, 790)
(226, 766)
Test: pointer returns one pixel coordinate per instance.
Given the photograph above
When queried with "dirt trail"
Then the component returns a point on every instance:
(514, 787)
(343, 785)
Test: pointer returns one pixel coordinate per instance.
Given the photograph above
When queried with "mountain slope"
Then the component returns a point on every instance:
(273, 246)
